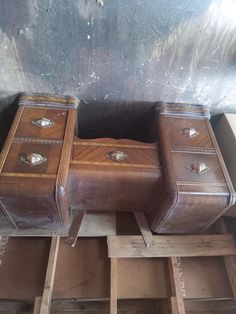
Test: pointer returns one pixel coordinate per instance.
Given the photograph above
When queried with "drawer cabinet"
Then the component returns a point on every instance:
(198, 188)
(177, 176)
(34, 163)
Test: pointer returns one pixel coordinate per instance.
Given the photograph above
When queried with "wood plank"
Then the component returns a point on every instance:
(167, 246)
(144, 228)
(75, 227)
(50, 275)
(37, 305)
(151, 274)
(230, 261)
(78, 306)
(113, 286)
(219, 305)
(177, 303)
(83, 271)
(15, 306)
(204, 278)
(174, 306)
(165, 306)
(23, 269)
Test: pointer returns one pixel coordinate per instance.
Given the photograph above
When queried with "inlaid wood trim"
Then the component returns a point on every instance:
(183, 109)
(48, 100)
(27, 175)
(152, 146)
(32, 140)
(204, 193)
(10, 136)
(192, 150)
(47, 106)
(215, 184)
(111, 164)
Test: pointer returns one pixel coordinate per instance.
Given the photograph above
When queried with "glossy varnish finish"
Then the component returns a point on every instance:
(194, 200)
(34, 196)
(99, 183)
(177, 176)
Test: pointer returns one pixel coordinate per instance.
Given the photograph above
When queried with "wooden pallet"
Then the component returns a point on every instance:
(174, 274)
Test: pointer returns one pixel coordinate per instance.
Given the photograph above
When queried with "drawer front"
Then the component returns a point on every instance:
(115, 156)
(42, 123)
(188, 132)
(20, 159)
(187, 168)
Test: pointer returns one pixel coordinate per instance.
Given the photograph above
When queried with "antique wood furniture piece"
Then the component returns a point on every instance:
(177, 177)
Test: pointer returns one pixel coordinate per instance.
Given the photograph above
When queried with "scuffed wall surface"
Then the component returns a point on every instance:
(128, 50)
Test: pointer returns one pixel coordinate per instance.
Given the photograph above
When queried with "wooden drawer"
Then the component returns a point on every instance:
(181, 132)
(28, 126)
(183, 163)
(15, 164)
(128, 184)
(133, 153)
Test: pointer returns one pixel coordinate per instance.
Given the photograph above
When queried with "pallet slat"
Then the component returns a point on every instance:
(144, 228)
(230, 261)
(50, 275)
(37, 305)
(177, 303)
(113, 287)
(168, 246)
(212, 305)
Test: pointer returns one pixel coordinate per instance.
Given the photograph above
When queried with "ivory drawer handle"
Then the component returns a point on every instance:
(42, 123)
(116, 155)
(33, 159)
(189, 132)
(199, 167)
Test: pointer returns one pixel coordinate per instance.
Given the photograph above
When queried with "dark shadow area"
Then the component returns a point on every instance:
(7, 115)
(215, 119)
(129, 120)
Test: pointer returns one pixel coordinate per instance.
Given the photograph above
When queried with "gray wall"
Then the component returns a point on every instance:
(129, 50)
